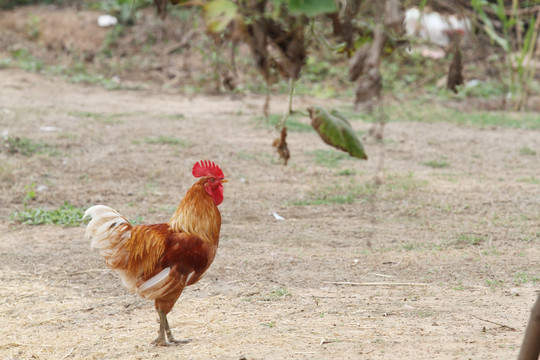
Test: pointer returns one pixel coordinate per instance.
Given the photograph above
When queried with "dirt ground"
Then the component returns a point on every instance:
(464, 238)
(438, 263)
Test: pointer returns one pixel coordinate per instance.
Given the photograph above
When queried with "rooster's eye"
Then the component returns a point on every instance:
(212, 179)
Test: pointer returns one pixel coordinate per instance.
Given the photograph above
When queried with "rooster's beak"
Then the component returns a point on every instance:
(224, 181)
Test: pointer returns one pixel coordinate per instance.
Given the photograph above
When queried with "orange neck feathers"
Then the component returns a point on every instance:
(197, 214)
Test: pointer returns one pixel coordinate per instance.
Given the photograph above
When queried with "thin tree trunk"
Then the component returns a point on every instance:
(530, 348)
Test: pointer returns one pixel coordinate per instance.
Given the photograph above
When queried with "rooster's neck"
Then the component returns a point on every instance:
(197, 215)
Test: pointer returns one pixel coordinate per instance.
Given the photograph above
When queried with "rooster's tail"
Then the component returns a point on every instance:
(109, 232)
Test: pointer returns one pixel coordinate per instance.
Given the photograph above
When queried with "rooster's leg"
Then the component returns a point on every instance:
(161, 340)
(165, 329)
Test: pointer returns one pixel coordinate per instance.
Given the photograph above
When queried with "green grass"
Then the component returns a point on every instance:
(412, 246)
(319, 90)
(111, 39)
(246, 156)
(165, 140)
(436, 164)
(66, 215)
(30, 193)
(393, 186)
(33, 27)
(493, 284)
(328, 158)
(328, 200)
(23, 59)
(28, 147)
(346, 172)
(78, 73)
(84, 77)
(529, 180)
(521, 278)
(470, 239)
(281, 292)
(277, 294)
(176, 117)
(109, 119)
(488, 89)
(403, 71)
(293, 124)
(431, 110)
(459, 286)
(337, 194)
(399, 184)
(136, 220)
(527, 151)
(482, 119)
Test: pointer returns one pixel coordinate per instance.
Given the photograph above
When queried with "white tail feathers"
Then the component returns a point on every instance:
(163, 284)
(108, 231)
(152, 288)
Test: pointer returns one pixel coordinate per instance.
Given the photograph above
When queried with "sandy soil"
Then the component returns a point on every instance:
(443, 263)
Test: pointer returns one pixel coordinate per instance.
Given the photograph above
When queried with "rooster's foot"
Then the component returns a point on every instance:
(172, 342)
(161, 342)
(181, 341)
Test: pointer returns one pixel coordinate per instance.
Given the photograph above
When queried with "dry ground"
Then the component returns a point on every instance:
(464, 238)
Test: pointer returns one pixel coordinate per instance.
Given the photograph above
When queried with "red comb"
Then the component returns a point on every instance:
(207, 168)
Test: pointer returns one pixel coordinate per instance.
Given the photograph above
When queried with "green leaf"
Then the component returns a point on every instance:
(527, 41)
(336, 131)
(218, 14)
(309, 7)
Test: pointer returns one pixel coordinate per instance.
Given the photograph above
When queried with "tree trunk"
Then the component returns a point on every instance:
(530, 348)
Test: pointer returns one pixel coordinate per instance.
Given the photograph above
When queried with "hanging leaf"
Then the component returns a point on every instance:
(218, 14)
(336, 131)
(281, 146)
(455, 71)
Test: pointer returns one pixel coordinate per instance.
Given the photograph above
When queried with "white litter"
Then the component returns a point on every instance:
(107, 20)
(472, 83)
(277, 216)
(42, 188)
(433, 26)
(49, 129)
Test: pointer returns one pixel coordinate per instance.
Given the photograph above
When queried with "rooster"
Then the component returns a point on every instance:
(158, 261)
